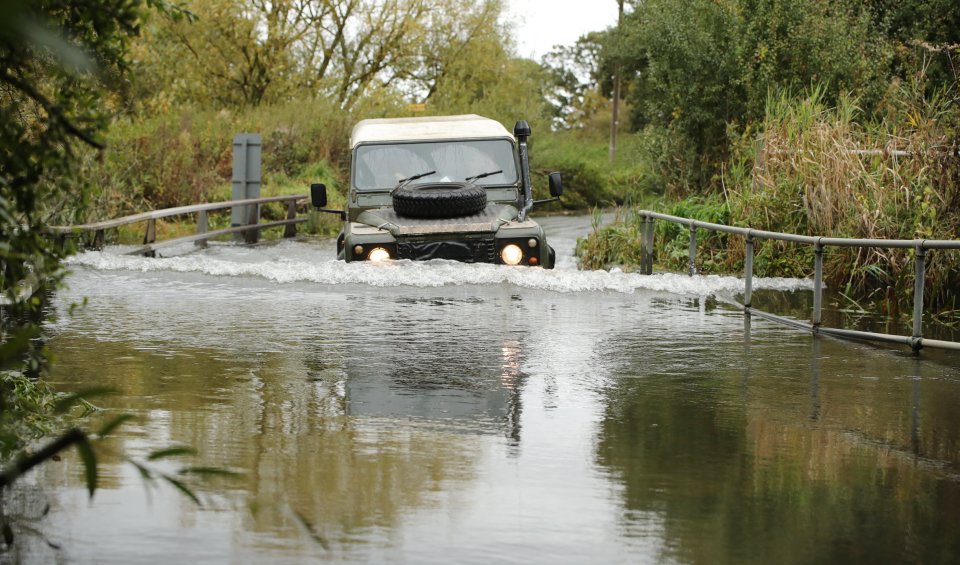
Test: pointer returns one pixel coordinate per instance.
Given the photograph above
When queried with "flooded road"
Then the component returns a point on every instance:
(441, 412)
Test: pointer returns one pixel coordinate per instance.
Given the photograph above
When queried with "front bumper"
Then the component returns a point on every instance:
(475, 239)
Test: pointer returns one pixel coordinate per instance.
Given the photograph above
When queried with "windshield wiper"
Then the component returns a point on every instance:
(483, 175)
(415, 177)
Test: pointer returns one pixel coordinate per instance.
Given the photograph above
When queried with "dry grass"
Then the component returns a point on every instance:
(826, 171)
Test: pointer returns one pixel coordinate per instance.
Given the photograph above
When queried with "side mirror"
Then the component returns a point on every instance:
(318, 194)
(556, 185)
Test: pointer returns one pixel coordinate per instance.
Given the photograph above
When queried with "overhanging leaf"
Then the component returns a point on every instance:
(208, 472)
(114, 424)
(175, 451)
(183, 488)
(145, 473)
(89, 459)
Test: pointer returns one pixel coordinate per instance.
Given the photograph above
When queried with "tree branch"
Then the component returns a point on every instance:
(54, 111)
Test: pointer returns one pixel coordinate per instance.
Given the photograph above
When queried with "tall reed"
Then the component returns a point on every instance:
(830, 171)
(820, 170)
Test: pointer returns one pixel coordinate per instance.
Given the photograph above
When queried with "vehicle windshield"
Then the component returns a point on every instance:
(378, 167)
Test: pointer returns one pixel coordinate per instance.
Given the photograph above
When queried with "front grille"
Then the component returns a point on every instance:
(468, 250)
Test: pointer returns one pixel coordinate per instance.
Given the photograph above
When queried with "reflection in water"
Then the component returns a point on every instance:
(495, 422)
(815, 362)
(755, 482)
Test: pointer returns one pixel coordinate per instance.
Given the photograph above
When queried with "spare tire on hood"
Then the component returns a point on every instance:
(439, 200)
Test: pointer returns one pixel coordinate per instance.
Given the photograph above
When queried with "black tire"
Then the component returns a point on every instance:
(439, 200)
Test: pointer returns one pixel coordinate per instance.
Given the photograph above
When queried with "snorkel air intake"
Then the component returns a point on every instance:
(522, 131)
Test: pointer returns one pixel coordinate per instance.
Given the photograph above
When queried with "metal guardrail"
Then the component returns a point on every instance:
(251, 229)
(916, 341)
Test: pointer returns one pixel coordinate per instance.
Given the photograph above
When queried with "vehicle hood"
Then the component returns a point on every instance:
(490, 219)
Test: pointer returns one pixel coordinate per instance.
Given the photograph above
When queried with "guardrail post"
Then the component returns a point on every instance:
(647, 236)
(252, 235)
(99, 240)
(290, 230)
(202, 227)
(246, 181)
(918, 281)
(748, 273)
(150, 236)
(642, 235)
(817, 284)
(693, 248)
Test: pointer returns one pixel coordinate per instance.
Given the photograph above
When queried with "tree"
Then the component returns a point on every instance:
(573, 73)
(699, 70)
(246, 53)
(687, 81)
(466, 65)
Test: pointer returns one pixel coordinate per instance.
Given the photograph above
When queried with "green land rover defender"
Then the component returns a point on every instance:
(452, 187)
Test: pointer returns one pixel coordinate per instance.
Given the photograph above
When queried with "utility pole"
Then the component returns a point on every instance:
(615, 116)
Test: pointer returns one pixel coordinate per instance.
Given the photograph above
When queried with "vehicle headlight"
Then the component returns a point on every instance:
(511, 254)
(378, 254)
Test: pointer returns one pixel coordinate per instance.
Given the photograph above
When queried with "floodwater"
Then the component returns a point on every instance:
(440, 412)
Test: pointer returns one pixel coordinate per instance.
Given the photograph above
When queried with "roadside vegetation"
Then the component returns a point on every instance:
(838, 119)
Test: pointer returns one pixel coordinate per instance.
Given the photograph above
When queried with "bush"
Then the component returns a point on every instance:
(589, 179)
(182, 158)
(618, 244)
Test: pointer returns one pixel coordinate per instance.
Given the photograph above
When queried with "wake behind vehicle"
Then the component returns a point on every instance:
(451, 187)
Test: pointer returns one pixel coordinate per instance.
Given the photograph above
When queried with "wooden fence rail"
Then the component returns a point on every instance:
(251, 229)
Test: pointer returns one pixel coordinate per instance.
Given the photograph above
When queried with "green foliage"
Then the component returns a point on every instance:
(589, 179)
(618, 244)
(27, 412)
(186, 157)
(789, 46)
(689, 84)
(697, 69)
(812, 176)
(830, 170)
(54, 59)
(494, 85)
(573, 74)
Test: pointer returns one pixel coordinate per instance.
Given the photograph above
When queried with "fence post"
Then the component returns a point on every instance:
(817, 284)
(290, 230)
(918, 296)
(748, 272)
(202, 227)
(693, 248)
(150, 236)
(246, 182)
(252, 235)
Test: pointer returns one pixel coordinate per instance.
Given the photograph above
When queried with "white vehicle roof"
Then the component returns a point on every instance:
(468, 126)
